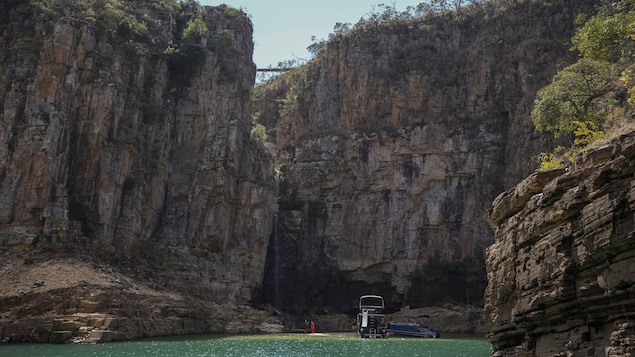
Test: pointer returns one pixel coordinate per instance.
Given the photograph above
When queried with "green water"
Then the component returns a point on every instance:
(263, 345)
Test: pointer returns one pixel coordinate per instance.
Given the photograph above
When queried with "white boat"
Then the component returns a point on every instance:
(371, 318)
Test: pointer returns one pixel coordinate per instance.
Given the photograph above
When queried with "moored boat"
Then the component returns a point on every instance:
(414, 326)
(371, 319)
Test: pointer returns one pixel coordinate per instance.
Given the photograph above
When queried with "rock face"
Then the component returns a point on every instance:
(126, 158)
(393, 143)
(59, 300)
(124, 137)
(448, 318)
(562, 270)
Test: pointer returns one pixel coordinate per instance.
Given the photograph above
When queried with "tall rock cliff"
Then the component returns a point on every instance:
(134, 203)
(562, 270)
(394, 142)
(124, 135)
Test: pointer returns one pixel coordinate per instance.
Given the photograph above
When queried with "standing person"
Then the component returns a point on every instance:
(312, 327)
(306, 325)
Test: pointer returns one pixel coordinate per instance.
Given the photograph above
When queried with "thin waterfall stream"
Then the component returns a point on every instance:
(271, 279)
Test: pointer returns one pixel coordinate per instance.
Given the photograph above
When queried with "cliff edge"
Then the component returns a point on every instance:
(561, 273)
(395, 140)
(124, 143)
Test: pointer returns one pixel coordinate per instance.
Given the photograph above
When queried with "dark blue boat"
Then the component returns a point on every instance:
(414, 326)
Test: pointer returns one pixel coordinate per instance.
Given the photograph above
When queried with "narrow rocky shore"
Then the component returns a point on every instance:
(63, 300)
(74, 300)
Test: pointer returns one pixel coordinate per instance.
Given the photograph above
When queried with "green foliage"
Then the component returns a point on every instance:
(164, 5)
(81, 208)
(134, 49)
(233, 12)
(316, 47)
(130, 28)
(258, 133)
(289, 64)
(341, 29)
(595, 94)
(279, 170)
(44, 7)
(190, 54)
(135, 35)
(579, 93)
(605, 36)
(187, 12)
(288, 102)
(195, 30)
(191, 6)
(186, 50)
(587, 133)
(383, 15)
(108, 16)
(549, 161)
(222, 40)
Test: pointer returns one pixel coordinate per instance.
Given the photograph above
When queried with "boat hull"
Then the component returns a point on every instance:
(409, 330)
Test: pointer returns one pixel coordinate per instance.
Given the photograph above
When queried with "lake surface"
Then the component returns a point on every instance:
(263, 345)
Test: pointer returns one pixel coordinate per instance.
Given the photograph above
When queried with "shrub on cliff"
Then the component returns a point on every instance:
(195, 30)
(185, 51)
(581, 94)
(258, 132)
(81, 207)
(594, 95)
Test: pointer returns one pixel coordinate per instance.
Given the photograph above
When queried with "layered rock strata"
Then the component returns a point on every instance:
(58, 300)
(561, 274)
(124, 138)
(394, 142)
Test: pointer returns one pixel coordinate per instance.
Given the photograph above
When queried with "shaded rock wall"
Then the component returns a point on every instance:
(133, 145)
(561, 272)
(393, 143)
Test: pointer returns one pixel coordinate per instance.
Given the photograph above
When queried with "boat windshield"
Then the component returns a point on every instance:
(371, 301)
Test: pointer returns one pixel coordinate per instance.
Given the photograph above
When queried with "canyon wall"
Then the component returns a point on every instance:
(124, 137)
(393, 143)
(134, 202)
(561, 272)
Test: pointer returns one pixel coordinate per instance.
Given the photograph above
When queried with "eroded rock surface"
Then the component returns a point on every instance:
(125, 138)
(561, 274)
(394, 142)
(60, 300)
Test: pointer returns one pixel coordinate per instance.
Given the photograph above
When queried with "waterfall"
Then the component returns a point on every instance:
(271, 278)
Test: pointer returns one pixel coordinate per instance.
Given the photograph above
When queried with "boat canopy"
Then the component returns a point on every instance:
(371, 302)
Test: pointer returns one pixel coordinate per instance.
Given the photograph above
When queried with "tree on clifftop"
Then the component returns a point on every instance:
(578, 94)
(595, 94)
